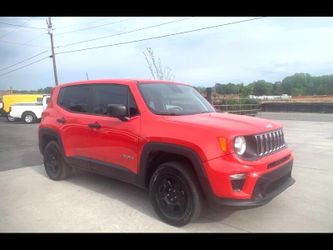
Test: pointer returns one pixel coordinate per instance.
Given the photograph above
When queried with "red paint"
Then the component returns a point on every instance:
(198, 132)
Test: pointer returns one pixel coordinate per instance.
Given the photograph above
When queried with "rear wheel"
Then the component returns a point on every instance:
(11, 119)
(175, 194)
(54, 164)
(29, 117)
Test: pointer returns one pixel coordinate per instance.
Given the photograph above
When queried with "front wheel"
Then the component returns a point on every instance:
(175, 194)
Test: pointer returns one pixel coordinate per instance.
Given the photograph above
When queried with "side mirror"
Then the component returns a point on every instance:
(118, 110)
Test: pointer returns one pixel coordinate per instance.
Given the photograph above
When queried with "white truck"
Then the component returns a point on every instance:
(28, 112)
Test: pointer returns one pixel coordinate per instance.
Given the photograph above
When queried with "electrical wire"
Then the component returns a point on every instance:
(161, 36)
(23, 44)
(24, 60)
(28, 43)
(93, 27)
(15, 29)
(122, 33)
(78, 24)
(22, 26)
(34, 62)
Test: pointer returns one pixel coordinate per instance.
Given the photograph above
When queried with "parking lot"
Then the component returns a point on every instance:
(31, 202)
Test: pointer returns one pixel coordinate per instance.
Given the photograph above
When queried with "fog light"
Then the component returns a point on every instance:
(237, 177)
(237, 181)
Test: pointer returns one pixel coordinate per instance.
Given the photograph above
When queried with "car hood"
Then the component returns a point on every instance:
(228, 123)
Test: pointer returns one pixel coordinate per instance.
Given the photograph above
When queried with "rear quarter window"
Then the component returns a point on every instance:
(75, 98)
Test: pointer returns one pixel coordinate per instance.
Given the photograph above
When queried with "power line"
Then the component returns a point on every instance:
(22, 26)
(24, 66)
(161, 36)
(24, 60)
(15, 29)
(78, 24)
(23, 44)
(28, 43)
(122, 33)
(93, 27)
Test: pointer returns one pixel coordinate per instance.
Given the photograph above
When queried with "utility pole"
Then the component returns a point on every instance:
(87, 76)
(49, 26)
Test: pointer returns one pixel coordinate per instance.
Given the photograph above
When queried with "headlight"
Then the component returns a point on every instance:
(240, 145)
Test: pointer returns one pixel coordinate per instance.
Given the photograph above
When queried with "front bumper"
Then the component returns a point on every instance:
(267, 187)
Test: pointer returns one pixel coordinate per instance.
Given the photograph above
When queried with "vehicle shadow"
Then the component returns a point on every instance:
(130, 195)
(211, 214)
(133, 196)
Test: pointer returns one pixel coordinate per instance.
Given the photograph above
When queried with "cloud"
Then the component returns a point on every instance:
(269, 48)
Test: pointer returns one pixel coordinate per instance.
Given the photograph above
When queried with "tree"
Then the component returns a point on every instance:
(155, 66)
(277, 88)
(227, 89)
(298, 84)
(262, 87)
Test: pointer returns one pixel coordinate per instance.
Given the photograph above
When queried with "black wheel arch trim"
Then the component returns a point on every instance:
(191, 155)
(50, 132)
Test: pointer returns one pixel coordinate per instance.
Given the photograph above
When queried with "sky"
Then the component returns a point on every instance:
(266, 48)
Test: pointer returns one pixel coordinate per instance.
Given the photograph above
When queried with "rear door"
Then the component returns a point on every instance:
(74, 118)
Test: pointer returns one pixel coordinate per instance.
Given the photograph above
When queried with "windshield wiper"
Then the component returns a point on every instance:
(168, 114)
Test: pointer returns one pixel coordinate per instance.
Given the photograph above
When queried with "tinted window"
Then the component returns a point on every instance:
(75, 98)
(105, 94)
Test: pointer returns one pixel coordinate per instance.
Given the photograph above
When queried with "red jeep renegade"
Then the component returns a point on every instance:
(164, 136)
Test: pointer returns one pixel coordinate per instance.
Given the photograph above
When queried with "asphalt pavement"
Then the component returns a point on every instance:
(31, 202)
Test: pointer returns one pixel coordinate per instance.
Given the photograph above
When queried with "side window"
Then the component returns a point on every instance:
(105, 94)
(132, 105)
(75, 98)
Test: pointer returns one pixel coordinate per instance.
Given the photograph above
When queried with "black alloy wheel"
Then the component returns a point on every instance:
(54, 164)
(175, 194)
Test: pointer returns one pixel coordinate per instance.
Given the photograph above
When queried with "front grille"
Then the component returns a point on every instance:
(269, 142)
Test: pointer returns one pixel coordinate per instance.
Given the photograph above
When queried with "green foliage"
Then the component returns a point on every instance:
(262, 87)
(227, 89)
(201, 90)
(297, 84)
(46, 90)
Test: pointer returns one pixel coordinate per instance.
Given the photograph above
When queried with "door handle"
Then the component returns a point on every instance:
(94, 125)
(61, 120)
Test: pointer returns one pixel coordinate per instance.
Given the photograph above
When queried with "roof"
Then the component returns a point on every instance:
(118, 81)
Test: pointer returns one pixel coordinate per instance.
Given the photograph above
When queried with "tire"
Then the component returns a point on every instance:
(54, 163)
(29, 117)
(11, 119)
(175, 194)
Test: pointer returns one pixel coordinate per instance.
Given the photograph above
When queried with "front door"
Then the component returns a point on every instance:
(113, 142)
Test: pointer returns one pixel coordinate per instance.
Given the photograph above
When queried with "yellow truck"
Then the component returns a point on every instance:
(9, 100)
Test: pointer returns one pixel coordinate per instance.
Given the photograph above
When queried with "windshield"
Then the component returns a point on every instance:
(174, 99)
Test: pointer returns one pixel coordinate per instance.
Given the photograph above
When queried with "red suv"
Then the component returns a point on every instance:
(165, 137)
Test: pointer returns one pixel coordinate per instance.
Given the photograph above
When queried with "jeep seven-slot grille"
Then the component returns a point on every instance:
(269, 142)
